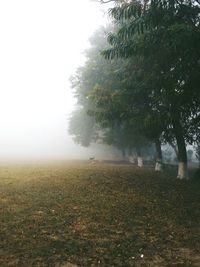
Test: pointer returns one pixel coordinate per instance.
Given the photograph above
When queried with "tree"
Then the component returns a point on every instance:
(102, 88)
(82, 127)
(166, 35)
(198, 153)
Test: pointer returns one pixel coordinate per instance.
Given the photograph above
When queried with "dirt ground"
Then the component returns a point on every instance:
(80, 214)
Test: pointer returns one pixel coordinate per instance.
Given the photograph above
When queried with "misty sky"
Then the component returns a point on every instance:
(42, 43)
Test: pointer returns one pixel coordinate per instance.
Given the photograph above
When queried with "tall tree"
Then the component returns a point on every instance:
(166, 34)
(102, 88)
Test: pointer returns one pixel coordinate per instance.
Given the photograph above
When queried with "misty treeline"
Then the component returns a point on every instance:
(140, 84)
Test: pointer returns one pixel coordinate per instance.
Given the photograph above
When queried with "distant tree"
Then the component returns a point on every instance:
(82, 127)
(198, 153)
(114, 93)
(100, 87)
(189, 154)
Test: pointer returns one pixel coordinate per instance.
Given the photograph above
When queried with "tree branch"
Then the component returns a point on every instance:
(105, 2)
(108, 1)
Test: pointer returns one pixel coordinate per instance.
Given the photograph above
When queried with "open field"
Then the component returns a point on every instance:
(78, 214)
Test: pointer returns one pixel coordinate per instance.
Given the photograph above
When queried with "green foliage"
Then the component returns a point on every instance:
(166, 36)
(149, 86)
(103, 89)
(82, 127)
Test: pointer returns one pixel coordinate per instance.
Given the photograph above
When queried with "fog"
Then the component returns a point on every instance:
(42, 44)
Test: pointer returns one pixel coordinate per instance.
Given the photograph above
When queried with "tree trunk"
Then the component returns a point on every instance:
(198, 153)
(159, 163)
(139, 157)
(123, 154)
(131, 158)
(130, 150)
(182, 153)
(174, 147)
(182, 170)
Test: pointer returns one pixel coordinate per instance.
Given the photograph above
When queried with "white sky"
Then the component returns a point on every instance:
(41, 45)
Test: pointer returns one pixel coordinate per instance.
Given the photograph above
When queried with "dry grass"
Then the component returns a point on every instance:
(76, 214)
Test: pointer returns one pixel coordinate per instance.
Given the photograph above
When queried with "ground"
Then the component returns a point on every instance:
(80, 214)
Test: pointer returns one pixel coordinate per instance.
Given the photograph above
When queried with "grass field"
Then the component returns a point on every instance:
(77, 214)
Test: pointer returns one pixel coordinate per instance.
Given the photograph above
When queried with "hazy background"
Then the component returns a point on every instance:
(42, 44)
